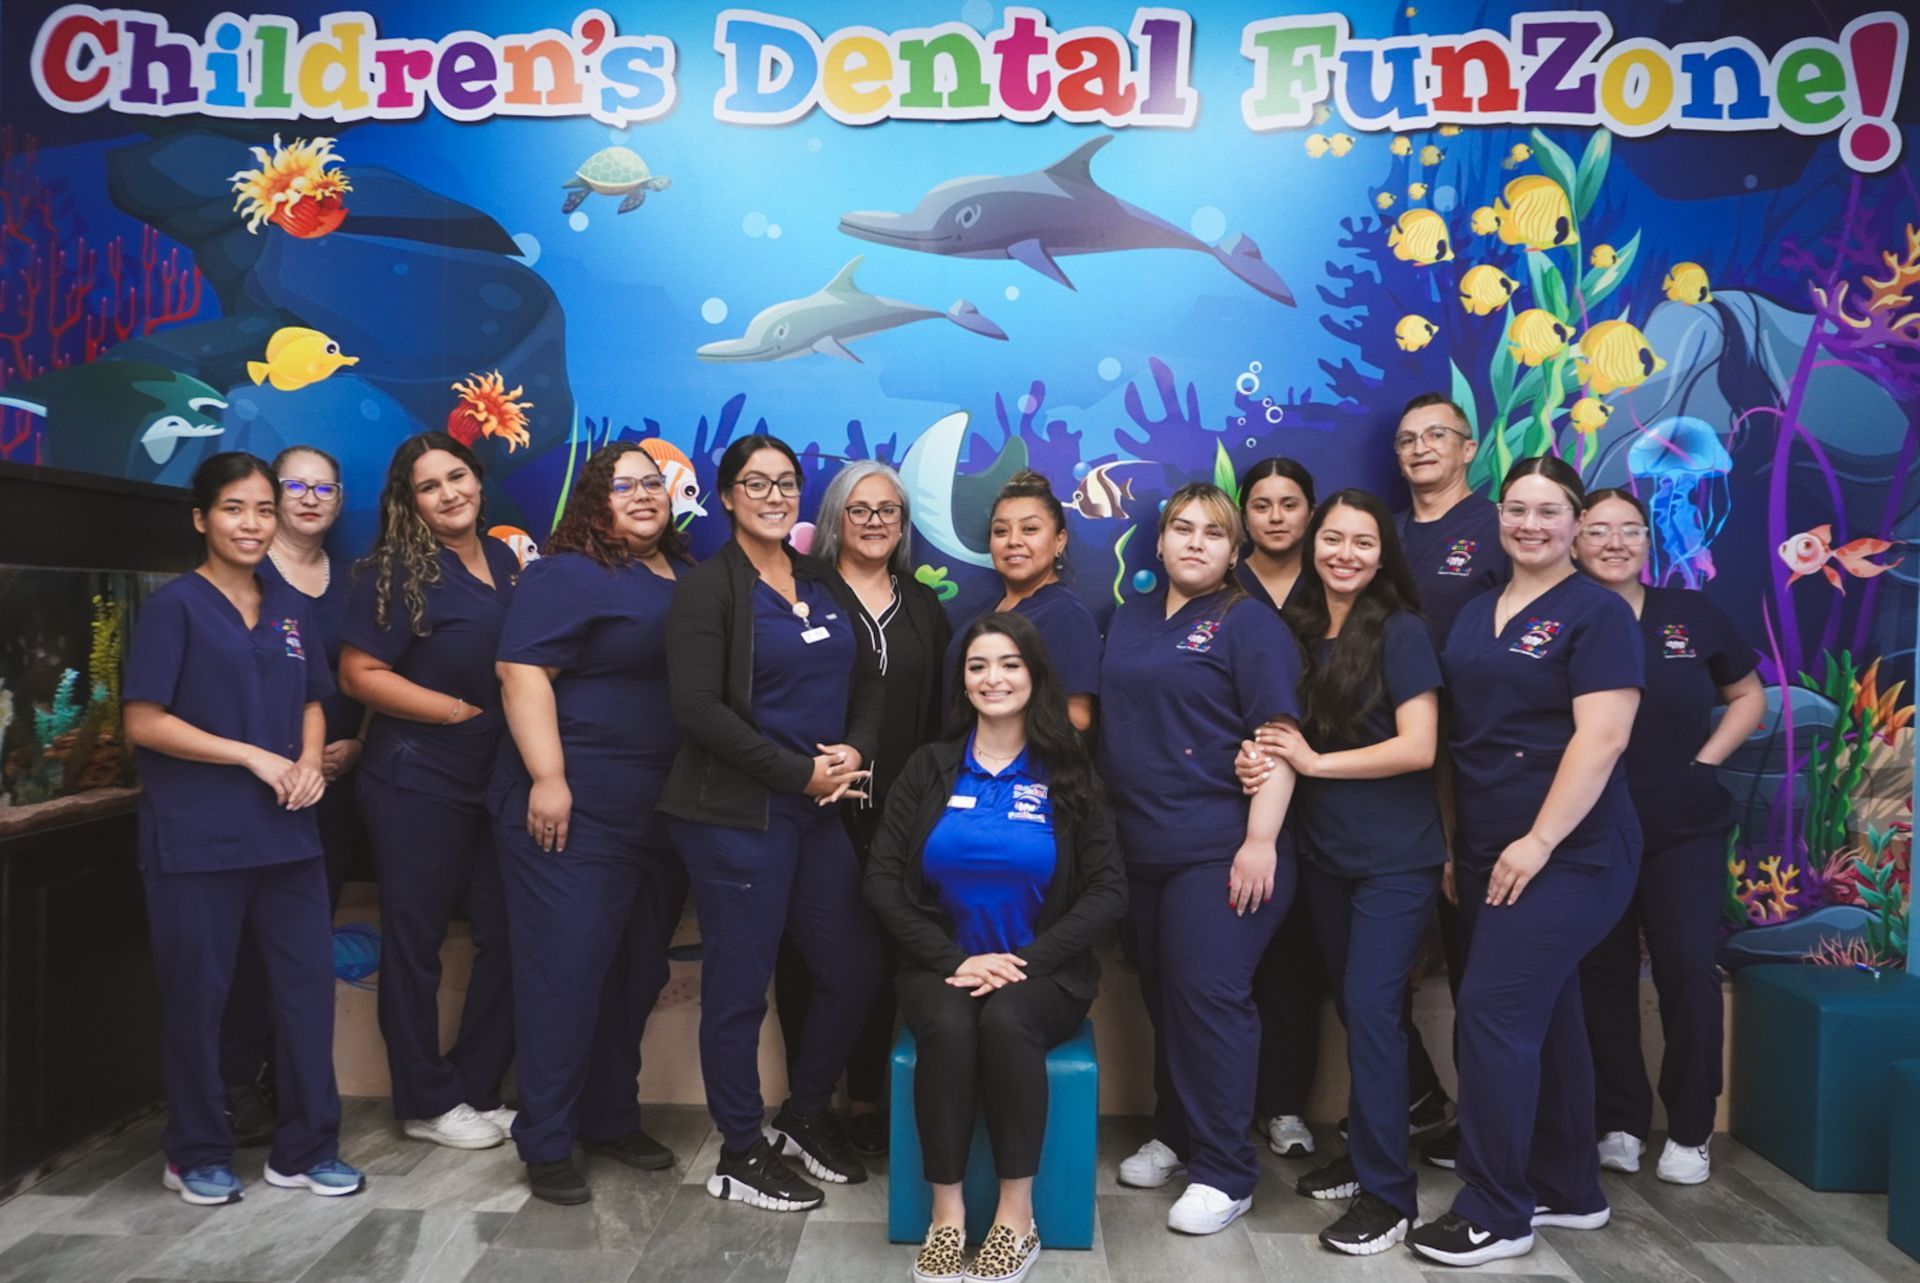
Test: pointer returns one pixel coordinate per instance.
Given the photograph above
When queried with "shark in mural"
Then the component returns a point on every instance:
(830, 318)
(122, 418)
(1038, 217)
(952, 511)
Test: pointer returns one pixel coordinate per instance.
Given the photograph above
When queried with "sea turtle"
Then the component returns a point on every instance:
(613, 171)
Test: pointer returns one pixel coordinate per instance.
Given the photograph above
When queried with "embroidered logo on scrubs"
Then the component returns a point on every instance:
(1459, 559)
(1029, 803)
(1199, 639)
(290, 630)
(1674, 642)
(1540, 633)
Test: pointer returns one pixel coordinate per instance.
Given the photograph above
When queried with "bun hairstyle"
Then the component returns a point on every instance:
(1598, 497)
(1028, 484)
(1554, 469)
(218, 471)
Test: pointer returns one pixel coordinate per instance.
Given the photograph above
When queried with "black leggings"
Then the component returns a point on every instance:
(993, 1050)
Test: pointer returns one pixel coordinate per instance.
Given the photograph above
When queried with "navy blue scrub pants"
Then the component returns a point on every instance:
(1370, 931)
(1526, 1074)
(1677, 903)
(433, 853)
(1287, 988)
(196, 921)
(589, 928)
(798, 877)
(1196, 961)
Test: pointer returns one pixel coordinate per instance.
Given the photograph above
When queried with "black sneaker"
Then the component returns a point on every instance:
(1341, 1128)
(1557, 1219)
(1370, 1225)
(1431, 1112)
(1336, 1180)
(867, 1133)
(250, 1116)
(819, 1141)
(760, 1179)
(559, 1182)
(635, 1149)
(1455, 1240)
(1443, 1149)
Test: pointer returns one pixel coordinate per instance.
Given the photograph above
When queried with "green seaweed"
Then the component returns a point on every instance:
(1120, 558)
(1836, 765)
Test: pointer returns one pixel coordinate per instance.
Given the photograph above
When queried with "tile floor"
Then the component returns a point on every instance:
(440, 1216)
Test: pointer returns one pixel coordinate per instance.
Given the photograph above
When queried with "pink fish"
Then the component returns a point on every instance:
(1814, 551)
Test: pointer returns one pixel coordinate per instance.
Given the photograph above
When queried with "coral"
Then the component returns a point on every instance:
(103, 656)
(1771, 897)
(1834, 951)
(1837, 763)
(1880, 715)
(62, 715)
(1052, 447)
(1882, 329)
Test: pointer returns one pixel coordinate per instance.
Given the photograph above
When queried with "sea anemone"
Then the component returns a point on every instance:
(486, 408)
(293, 189)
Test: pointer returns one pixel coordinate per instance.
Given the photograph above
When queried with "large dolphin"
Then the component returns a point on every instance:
(830, 318)
(1037, 217)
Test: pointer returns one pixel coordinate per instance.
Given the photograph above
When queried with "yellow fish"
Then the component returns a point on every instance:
(1615, 355)
(1340, 144)
(1420, 236)
(1602, 256)
(1537, 336)
(1486, 289)
(1414, 332)
(1449, 131)
(1485, 221)
(1687, 283)
(1321, 115)
(1384, 200)
(1416, 191)
(1431, 155)
(1316, 145)
(297, 356)
(1589, 415)
(1518, 155)
(1534, 212)
(1401, 146)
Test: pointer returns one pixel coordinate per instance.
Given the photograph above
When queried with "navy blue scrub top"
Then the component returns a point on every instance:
(455, 658)
(329, 611)
(1258, 591)
(1692, 651)
(1363, 828)
(194, 655)
(801, 688)
(1454, 559)
(1176, 698)
(1511, 708)
(606, 631)
(1064, 624)
(990, 857)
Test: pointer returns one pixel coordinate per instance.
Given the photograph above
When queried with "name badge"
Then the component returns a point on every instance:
(813, 635)
(962, 802)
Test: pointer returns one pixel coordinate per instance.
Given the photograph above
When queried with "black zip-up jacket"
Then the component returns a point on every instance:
(1088, 893)
(726, 769)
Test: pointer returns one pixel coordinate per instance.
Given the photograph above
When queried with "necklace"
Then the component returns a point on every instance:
(326, 570)
(1002, 758)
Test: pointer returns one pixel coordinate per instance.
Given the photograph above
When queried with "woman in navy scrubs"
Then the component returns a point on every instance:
(995, 871)
(1028, 542)
(1368, 821)
(779, 692)
(863, 523)
(423, 626)
(1695, 660)
(1191, 671)
(1276, 502)
(223, 692)
(594, 891)
(1544, 676)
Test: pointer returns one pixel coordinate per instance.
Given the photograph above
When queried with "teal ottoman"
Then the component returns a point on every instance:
(1062, 1188)
(1903, 1175)
(1813, 1054)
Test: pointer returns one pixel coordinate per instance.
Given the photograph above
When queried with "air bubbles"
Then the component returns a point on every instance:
(1251, 441)
(1274, 413)
(713, 311)
(577, 220)
(754, 224)
(1108, 369)
(1247, 384)
(1027, 404)
(1208, 223)
(773, 231)
(1144, 581)
(1012, 292)
(814, 144)
(529, 246)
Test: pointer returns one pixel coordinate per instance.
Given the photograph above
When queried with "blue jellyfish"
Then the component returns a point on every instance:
(1680, 469)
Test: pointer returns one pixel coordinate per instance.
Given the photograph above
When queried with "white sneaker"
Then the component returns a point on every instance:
(1287, 1136)
(461, 1127)
(1206, 1210)
(1684, 1164)
(1620, 1152)
(502, 1117)
(1150, 1166)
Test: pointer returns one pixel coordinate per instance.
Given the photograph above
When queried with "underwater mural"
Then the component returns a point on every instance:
(1676, 245)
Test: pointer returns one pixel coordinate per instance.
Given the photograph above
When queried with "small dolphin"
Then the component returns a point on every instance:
(1037, 217)
(120, 418)
(827, 320)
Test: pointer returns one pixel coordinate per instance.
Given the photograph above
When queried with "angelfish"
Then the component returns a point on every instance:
(1100, 496)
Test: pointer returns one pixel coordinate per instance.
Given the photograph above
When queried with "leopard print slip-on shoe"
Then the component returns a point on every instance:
(943, 1257)
(1005, 1257)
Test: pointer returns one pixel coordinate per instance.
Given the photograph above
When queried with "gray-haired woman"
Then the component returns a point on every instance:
(863, 531)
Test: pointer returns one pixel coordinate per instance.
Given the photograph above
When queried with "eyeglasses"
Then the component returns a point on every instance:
(324, 491)
(627, 485)
(760, 487)
(887, 514)
(1428, 437)
(1629, 535)
(1514, 514)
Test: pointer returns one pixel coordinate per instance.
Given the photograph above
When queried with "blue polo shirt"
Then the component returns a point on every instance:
(1176, 698)
(1692, 650)
(1064, 624)
(802, 669)
(1512, 694)
(194, 655)
(1454, 559)
(991, 855)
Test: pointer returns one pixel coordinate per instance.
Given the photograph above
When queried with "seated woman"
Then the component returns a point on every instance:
(995, 870)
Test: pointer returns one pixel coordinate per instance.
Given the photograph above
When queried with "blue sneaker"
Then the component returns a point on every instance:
(210, 1185)
(330, 1179)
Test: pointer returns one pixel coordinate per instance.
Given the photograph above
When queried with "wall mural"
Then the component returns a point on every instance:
(1678, 245)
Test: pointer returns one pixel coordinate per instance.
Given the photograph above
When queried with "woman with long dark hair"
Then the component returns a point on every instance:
(1276, 501)
(778, 690)
(423, 625)
(995, 871)
(594, 890)
(222, 693)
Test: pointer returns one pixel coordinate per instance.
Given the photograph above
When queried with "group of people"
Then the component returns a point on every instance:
(1347, 719)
